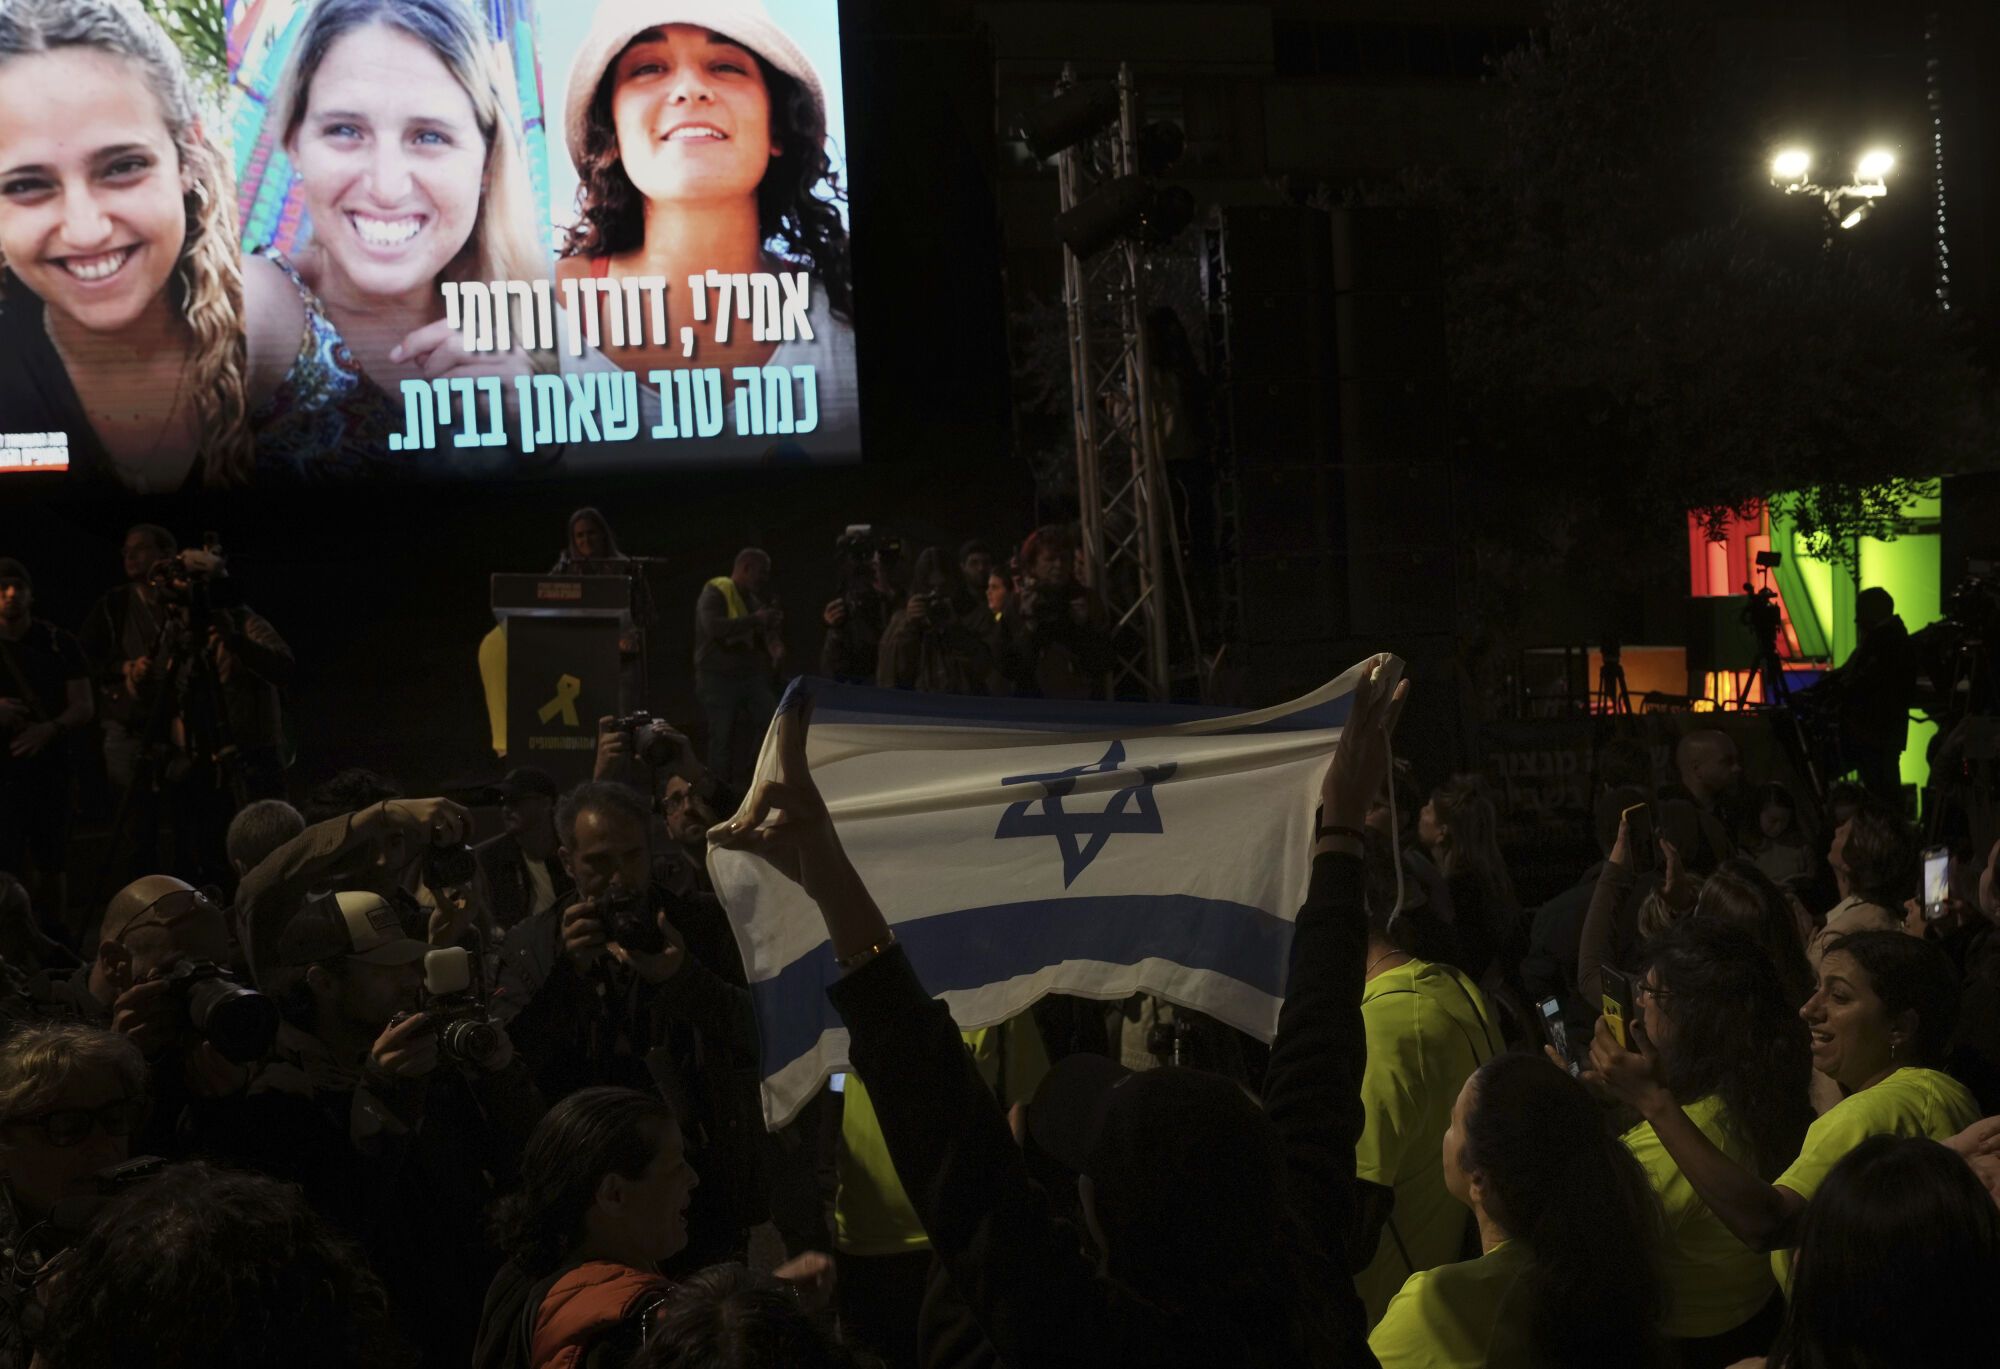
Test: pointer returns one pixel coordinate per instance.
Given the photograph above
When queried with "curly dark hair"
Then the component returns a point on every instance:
(726, 1317)
(611, 213)
(206, 1267)
(1737, 1035)
(591, 1133)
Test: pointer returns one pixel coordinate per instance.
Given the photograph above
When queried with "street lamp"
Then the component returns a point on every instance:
(1847, 205)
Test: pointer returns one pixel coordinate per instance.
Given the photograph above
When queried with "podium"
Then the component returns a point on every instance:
(563, 667)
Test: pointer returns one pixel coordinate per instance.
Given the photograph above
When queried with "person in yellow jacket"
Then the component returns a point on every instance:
(1880, 1024)
(1569, 1274)
(736, 652)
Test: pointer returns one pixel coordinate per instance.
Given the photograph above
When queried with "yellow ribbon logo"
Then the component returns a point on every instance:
(567, 688)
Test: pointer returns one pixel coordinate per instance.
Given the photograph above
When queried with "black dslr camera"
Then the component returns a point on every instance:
(449, 867)
(456, 1002)
(627, 917)
(650, 743)
(937, 609)
(241, 1023)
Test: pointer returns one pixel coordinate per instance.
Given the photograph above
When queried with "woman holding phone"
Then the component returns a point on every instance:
(120, 287)
(413, 176)
(1734, 1053)
(1880, 1023)
(698, 131)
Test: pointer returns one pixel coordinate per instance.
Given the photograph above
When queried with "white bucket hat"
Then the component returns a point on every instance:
(618, 22)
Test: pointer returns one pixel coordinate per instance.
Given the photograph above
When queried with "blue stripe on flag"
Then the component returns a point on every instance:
(867, 706)
(974, 947)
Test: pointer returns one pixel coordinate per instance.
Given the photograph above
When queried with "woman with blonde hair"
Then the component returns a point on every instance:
(121, 289)
(408, 153)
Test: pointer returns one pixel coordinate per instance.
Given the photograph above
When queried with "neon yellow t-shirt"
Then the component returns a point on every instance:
(1714, 1282)
(1910, 1102)
(872, 1214)
(1460, 1316)
(1428, 1030)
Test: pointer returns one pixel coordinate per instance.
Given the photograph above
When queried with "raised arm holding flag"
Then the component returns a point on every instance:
(1222, 1227)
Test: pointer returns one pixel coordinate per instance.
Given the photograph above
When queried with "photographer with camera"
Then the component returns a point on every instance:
(635, 985)
(394, 1098)
(44, 696)
(117, 636)
(383, 849)
(519, 873)
(866, 561)
(1056, 645)
(737, 650)
(71, 1098)
(159, 977)
(207, 729)
(929, 645)
(654, 757)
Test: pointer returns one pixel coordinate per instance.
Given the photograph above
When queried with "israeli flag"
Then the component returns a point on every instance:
(1027, 847)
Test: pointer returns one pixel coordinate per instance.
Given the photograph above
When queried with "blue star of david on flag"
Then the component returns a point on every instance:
(1132, 810)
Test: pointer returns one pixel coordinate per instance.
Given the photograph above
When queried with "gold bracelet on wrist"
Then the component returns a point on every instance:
(866, 953)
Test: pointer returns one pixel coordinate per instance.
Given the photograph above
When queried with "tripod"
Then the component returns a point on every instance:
(185, 668)
(1611, 695)
(1762, 617)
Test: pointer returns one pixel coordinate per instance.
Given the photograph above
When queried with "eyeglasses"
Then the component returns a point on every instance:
(1658, 995)
(66, 1127)
(675, 802)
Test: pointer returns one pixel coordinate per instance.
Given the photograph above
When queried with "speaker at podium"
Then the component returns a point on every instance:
(556, 661)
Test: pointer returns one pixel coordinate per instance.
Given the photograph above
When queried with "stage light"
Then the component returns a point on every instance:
(1078, 113)
(1792, 164)
(1105, 215)
(1130, 206)
(1875, 164)
(1854, 216)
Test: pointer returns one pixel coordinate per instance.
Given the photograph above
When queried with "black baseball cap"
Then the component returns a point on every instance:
(11, 569)
(525, 780)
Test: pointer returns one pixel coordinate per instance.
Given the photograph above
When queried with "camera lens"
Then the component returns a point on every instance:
(239, 1022)
(471, 1039)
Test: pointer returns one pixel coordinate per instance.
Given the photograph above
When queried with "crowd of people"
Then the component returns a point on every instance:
(368, 1085)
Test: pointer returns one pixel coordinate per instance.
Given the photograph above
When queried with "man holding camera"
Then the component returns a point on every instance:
(158, 940)
(859, 615)
(118, 637)
(737, 649)
(633, 984)
(928, 645)
(519, 873)
(399, 1130)
(382, 849)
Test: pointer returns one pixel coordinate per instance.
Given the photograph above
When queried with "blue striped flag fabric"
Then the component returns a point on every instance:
(1027, 847)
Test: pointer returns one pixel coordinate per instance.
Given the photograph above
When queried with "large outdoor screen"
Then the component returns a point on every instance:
(291, 242)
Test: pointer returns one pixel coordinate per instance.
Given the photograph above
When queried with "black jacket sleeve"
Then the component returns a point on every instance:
(1021, 1270)
(1312, 1087)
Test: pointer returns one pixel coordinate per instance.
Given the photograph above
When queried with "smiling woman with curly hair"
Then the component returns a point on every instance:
(698, 130)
